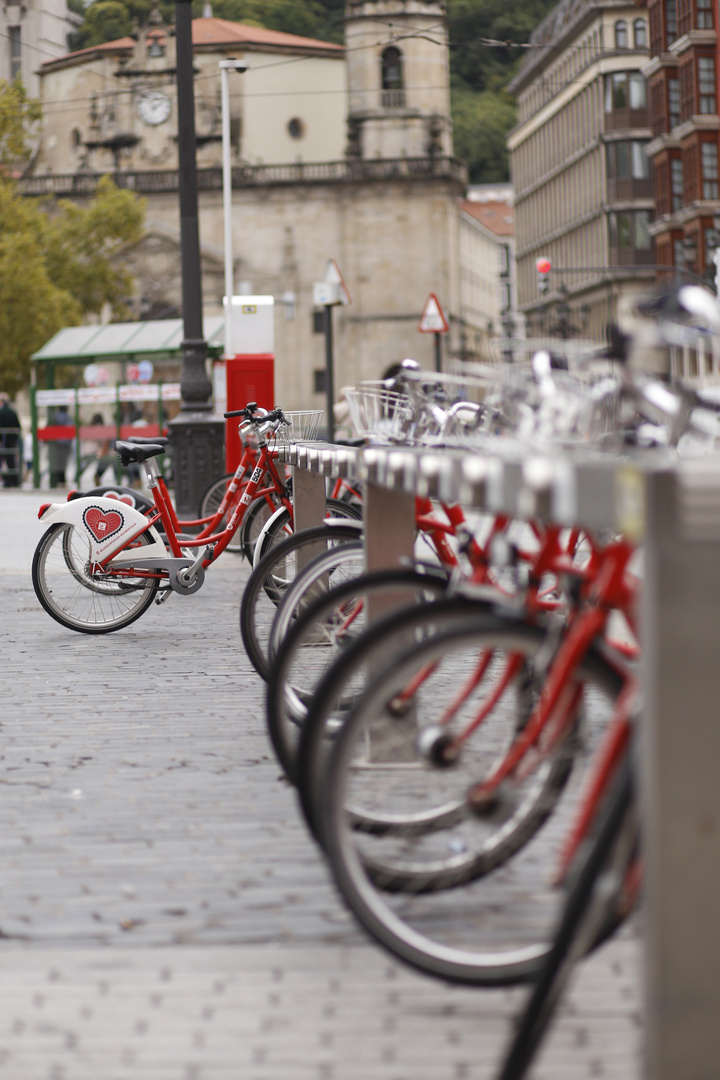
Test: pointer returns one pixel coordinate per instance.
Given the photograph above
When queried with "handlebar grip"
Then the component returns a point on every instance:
(247, 411)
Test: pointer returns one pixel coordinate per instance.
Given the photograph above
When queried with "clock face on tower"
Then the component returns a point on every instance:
(154, 107)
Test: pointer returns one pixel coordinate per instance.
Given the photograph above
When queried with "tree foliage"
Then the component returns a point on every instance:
(57, 266)
(482, 111)
(18, 117)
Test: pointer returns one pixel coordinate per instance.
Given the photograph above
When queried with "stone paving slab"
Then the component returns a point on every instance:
(163, 912)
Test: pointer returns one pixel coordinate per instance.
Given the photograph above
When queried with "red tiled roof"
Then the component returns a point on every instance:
(223, 32)
(496, 216)
(218, 32)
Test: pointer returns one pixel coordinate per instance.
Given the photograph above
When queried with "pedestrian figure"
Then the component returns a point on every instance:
(59, 449)
(104, 456)
(9, 443)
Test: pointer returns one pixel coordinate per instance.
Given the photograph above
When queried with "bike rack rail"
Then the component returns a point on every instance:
(674, 511)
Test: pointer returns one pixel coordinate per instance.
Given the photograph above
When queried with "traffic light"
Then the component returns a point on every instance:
(543, 268)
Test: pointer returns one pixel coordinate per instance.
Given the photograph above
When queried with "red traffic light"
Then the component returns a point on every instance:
(543, 266)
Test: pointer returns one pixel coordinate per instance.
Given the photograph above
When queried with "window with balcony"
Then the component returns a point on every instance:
(657, 45)
(678, 254)
(704, 15)
(627, 160)
(628, 170)
(706, 84)
(640, 39)
(709, 166)
(391, 71)
(676, 184)
(671, 24)
(625, 100)
(673, 91)
(15, 52)
(621, 34)
(629, 237)
(625, 90)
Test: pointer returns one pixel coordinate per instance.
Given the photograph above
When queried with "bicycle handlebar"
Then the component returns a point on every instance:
(247, 411)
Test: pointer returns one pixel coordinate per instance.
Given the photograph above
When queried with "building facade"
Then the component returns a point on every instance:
(583, 196)
(337, 153)
(682, 78)
(30, 34)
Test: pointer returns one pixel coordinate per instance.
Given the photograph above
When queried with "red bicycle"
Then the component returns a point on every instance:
(102, 563)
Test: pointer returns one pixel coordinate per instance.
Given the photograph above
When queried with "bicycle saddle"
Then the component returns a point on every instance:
(148, 440)
(128, 451)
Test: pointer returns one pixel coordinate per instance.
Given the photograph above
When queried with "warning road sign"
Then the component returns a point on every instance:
(432, 320)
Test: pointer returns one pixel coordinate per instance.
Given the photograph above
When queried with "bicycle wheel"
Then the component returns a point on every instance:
(90, 605)
(346, 678)
(594, 901)
(210, 504)
(270, 578)
(281, 525)
(252, 524)
(310, 633)
(427, 874)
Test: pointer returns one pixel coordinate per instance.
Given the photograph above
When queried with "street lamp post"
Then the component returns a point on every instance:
(196, 437)
(231, 64)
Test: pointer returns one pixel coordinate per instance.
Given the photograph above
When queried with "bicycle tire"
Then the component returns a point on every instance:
(74, 600)
(265, 586)
(210, 502)
(586, 910)
(419, 892)
(327, 709)
(322, 574)
(277, 528)
(252, 525)
(301, 651)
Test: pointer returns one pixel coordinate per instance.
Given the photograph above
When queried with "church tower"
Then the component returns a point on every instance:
(398, 79)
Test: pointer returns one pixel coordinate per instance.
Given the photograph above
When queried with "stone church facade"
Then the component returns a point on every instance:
(341, 153)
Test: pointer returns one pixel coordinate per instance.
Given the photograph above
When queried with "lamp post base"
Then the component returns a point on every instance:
(197, 442)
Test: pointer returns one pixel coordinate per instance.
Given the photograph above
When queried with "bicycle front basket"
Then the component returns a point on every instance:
(304, 425)
(378, 413)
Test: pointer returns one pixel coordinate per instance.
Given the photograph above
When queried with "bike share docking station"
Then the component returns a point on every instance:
(673, 511)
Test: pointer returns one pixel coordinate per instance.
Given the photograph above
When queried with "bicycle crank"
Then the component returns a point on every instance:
(189, 579)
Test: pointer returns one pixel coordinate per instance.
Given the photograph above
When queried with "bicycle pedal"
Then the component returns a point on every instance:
(165, 593)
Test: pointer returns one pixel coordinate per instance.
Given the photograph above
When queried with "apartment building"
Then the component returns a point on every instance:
(682, 90)
(583, 194)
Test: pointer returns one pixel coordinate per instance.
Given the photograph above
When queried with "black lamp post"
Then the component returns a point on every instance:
(196, 438)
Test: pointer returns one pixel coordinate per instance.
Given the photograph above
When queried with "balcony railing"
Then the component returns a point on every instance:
(392, 99)
(623, 190)
(341, 172)
(620, 119)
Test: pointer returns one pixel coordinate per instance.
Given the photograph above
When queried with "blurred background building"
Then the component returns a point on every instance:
(682, 81)
(583, 194)
(341, 153)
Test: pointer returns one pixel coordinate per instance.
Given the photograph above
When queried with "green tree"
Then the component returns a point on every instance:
(56, 265)
(18, 116)
(481, 123)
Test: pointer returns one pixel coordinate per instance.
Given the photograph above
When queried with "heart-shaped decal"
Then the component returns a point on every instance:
(124, 498)
(102, 523)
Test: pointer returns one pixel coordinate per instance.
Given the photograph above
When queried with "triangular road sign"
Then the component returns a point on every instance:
(432, 320)
(334, 277)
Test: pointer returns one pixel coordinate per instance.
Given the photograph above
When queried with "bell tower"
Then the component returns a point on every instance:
(398, 79)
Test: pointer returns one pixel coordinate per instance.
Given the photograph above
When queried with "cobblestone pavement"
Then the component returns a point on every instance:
(163, 913)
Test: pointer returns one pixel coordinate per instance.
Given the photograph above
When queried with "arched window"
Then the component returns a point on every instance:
(621, 34)
(391, 74)
(640, 34)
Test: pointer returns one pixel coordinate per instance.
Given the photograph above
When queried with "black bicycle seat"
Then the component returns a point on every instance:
(147, 440)
(128, 452)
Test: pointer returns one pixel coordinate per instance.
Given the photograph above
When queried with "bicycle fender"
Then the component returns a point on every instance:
(108, 525)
